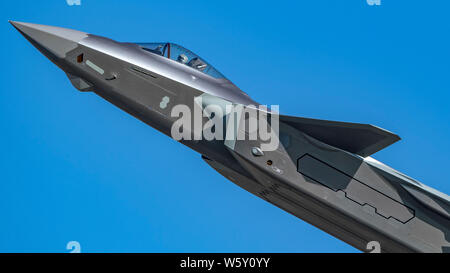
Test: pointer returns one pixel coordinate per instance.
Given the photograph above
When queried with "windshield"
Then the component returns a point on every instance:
(182, 55)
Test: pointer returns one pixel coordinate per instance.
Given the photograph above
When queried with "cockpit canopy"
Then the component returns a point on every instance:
(182, 55)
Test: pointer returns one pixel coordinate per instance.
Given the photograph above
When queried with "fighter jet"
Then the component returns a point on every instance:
(320, 171)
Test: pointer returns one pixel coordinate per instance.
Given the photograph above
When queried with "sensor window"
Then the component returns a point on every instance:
(80, 58)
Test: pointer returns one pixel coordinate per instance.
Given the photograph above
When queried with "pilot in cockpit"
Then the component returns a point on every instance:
(182, 58)
(197, 64)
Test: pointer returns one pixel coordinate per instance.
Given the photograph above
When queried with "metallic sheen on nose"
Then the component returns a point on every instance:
(48, 39)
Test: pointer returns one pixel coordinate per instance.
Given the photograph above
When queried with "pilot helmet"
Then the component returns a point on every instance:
(182, 58)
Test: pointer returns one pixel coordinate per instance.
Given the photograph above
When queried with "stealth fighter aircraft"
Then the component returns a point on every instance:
(320, 171)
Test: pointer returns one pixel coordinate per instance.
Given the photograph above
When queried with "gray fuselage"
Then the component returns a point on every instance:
(321, 172)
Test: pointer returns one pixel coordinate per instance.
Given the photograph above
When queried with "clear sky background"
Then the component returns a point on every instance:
(75, 168)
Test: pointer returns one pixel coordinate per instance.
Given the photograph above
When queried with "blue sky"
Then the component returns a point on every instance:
(76, 168)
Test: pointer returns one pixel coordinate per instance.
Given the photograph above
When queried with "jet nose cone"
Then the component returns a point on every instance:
(51, 41)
